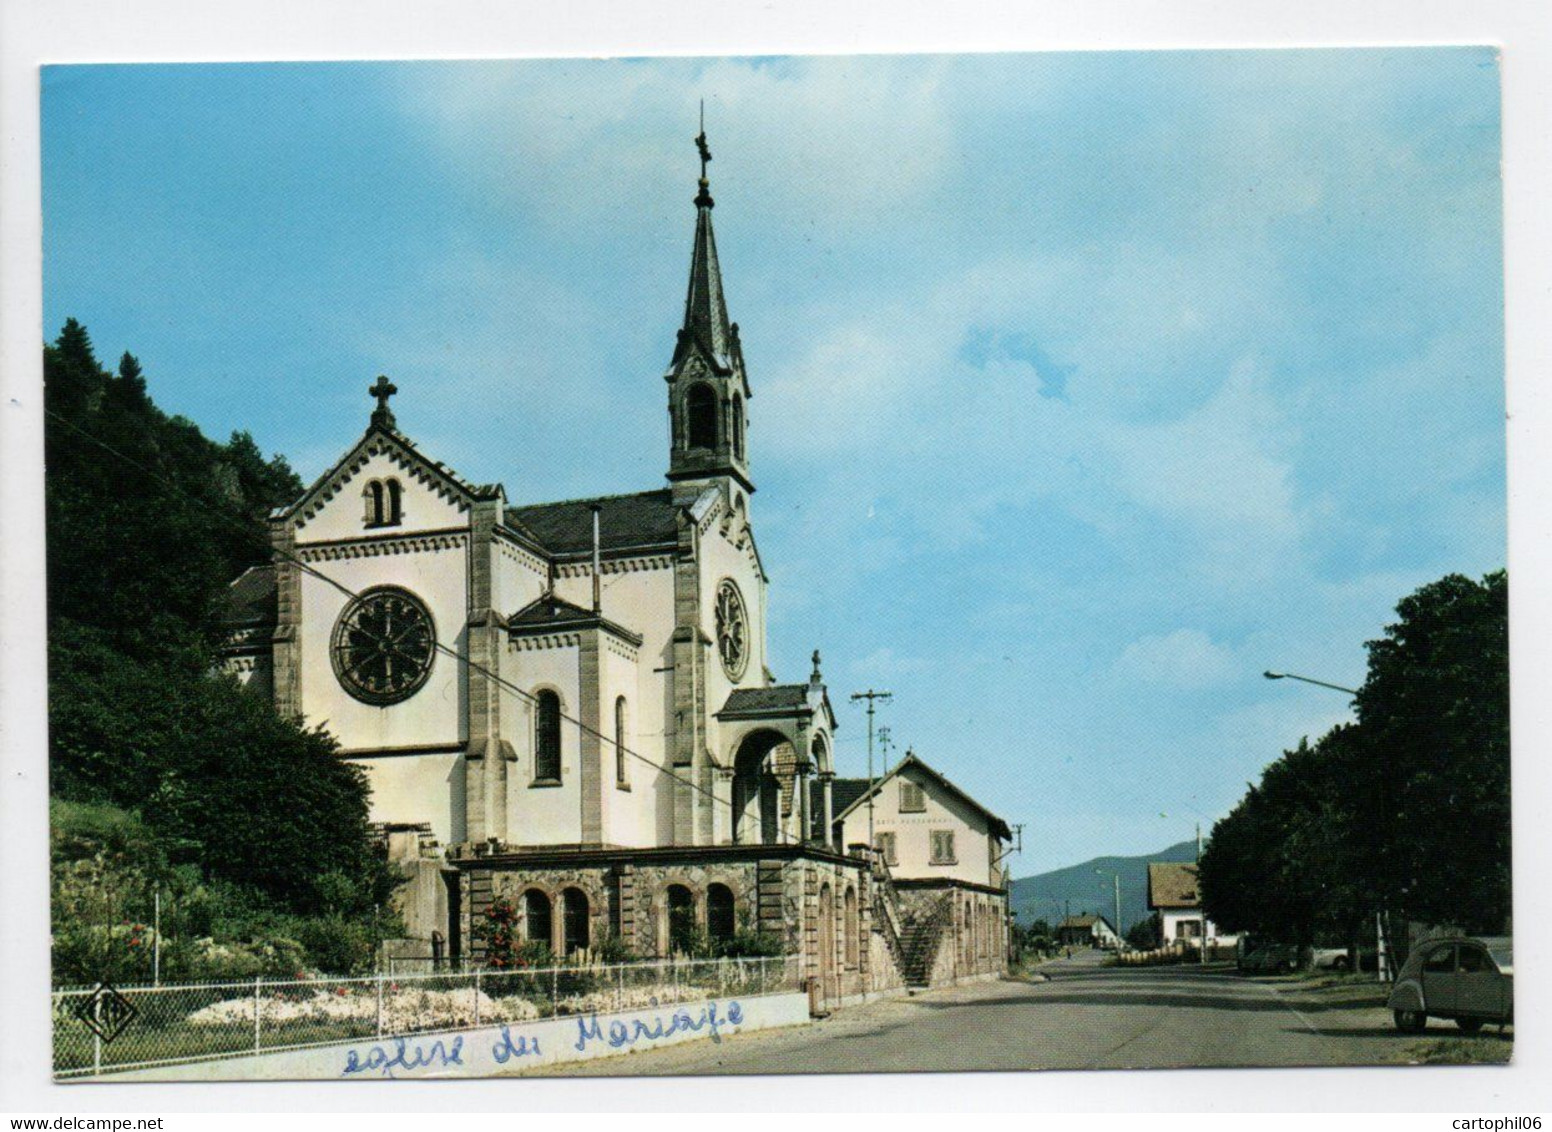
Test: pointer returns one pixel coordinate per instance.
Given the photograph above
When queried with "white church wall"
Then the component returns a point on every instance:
(542, 814)
(518, 579)
(434, 715)
(628, 813)
(719, 559)
(419, 788)
(345, 515)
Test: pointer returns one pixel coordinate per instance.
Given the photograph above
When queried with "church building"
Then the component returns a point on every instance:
(569, 706)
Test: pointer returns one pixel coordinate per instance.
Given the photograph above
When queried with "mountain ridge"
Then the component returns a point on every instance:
(1050, 895)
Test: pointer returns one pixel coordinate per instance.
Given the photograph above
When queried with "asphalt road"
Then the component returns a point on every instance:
(1085, 1017)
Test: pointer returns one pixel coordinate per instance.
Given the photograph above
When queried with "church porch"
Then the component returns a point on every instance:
(656, 903)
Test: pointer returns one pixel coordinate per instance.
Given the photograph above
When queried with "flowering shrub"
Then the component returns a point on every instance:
(500, 929)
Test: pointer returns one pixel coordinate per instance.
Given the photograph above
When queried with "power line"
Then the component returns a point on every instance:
(308, 568)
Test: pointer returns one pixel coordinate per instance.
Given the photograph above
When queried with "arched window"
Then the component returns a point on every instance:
(738, 426)
(372, 501)
(395, 499)
(574, 927)
(850, 926)
(701, 409)
(681, 919)
(547, 737)
(620, 777)
(720, 920)
(537, 922)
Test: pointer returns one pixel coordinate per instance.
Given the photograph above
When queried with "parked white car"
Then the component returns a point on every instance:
(1468, 980)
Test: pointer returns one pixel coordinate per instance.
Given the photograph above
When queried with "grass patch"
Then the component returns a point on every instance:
(1491, 1050)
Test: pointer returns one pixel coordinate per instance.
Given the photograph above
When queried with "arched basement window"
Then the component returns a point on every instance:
(850, 926)
(720, 919)
(681, 919)
(620, 776)
(537, 922)
(574, 927)
(701, 408)
(547, 737)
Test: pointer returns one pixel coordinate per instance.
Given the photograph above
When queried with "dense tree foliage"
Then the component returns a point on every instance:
(1406, 812)
(148, 522)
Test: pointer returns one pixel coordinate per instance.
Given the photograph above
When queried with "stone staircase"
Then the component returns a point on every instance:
(919, 942)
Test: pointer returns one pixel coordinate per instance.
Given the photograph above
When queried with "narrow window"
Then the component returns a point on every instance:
(536, 917)
(886, 848)
(850, 926)
(701, 406)
(913, 800)
(547, 737)
(720, 920)
(395, 496)
(574, 928)
(373, 499)
(738, 426)
(942, 847)
(681, 919)
(620, 777)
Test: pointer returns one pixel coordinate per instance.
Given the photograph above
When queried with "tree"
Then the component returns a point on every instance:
(1434, 713)
(148, 523)
(1145, 933)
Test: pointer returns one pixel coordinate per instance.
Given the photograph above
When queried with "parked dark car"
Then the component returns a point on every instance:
(1271, 959)
(1470, 981)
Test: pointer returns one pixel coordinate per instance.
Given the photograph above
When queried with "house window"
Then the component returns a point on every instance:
(885, 844)
(850, 926)
(681, 919)
(547, 737)
(701, 408)
(913, 800)
(621, 779)
(1188, 929)
(943, 847)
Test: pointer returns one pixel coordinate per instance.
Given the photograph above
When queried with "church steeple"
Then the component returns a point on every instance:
(707, 388)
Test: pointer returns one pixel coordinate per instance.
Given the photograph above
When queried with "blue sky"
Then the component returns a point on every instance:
(1087, 386)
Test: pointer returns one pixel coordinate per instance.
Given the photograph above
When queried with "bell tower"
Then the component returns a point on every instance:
(708, 393)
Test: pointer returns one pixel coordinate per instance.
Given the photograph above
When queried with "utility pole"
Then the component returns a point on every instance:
(873, 698)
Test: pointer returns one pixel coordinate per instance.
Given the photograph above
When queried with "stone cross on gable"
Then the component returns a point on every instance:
(384, 389)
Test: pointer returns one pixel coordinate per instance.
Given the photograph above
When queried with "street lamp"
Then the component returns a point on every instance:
(1379, 919)
(1308, 680)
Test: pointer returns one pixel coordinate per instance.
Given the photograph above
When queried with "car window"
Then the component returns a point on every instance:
(1474, 959)
(1440, 961)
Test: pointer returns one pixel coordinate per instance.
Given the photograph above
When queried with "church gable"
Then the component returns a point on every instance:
(384, 487)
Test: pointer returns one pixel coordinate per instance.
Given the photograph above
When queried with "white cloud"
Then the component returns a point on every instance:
(1187, 659)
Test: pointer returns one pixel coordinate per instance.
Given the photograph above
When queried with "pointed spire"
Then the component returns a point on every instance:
(705, 308)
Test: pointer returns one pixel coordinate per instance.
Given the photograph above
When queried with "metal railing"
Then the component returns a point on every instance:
(177, 1023)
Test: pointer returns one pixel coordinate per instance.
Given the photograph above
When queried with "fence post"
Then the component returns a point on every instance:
(619, 994)
(97, 1038)
(379, 1004)
(476, 996)
(554, 991)
(257, 982)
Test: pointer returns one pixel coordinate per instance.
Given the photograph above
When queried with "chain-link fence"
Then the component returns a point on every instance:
(201, 1021)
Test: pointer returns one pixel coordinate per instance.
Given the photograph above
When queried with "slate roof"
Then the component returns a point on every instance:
(250, 600)
(1172, 884)
(648, 518)
(548, 612)
(845, 791)
(776, 697)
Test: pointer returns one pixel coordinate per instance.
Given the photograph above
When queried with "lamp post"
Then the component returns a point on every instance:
(872, 697)
(1379, 918)
(1115, 876)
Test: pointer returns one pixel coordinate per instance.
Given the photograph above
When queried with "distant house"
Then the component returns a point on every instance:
(1086, 931)
(1174, 894)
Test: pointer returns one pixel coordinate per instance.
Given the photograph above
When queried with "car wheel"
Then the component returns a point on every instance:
(1469, 1025)
(1411, 1021)
(1340, 963)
